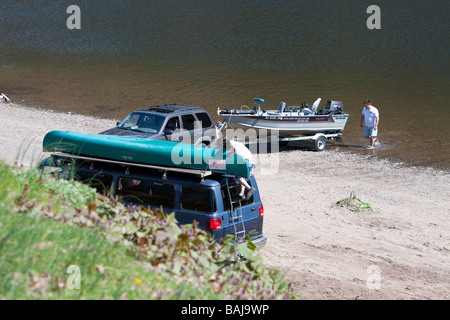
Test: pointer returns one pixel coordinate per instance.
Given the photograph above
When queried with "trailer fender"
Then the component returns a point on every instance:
(320, 142)
(317, 136)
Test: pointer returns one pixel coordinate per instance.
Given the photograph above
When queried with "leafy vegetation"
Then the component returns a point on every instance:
(355, 204)
(48, 226)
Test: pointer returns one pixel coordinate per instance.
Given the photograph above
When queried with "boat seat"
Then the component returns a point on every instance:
(306, 111)
(316, 105)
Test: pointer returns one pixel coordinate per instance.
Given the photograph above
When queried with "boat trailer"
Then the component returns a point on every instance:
(318, 140)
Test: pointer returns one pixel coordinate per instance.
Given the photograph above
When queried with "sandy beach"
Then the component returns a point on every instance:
(400, 250)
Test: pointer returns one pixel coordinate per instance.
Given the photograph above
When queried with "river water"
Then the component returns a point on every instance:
(210, 53)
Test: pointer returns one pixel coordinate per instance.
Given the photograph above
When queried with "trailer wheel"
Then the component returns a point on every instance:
(320, 143)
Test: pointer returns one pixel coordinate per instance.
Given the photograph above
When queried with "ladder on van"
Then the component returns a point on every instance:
(236, 217)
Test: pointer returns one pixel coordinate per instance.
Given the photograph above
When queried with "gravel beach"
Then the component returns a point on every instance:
(400, 250)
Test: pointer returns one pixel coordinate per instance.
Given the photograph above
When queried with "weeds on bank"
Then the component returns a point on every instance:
(354, 204)
(47, 225)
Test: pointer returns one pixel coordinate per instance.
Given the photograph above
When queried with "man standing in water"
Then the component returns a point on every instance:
(370, 117)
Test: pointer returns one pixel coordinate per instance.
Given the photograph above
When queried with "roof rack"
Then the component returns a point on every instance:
(171, 107)
(197, 172)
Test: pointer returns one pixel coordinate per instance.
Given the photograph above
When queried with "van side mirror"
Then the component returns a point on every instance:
(117, 123)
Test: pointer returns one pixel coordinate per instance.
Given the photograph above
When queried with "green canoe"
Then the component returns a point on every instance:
(144, 151)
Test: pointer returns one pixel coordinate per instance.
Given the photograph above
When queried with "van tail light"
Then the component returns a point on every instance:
(261, 210)
(214, 224)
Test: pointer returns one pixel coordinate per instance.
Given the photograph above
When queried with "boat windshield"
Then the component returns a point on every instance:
(142, 122)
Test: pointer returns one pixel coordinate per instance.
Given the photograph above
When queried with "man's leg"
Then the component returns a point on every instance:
(246, 189)
(373, 137)
(244, 184)
(242, 189)
(367, 133)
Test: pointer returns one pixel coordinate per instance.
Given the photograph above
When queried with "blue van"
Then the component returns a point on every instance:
(207, 197)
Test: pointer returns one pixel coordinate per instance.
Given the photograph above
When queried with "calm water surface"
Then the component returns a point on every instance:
(131, 54)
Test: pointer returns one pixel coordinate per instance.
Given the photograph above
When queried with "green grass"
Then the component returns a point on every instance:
(36, 255)
(48, 225)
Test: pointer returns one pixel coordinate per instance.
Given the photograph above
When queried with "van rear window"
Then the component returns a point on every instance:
(198, 199)
(232, 190)
(146, 192)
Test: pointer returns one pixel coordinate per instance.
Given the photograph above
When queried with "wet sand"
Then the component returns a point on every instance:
(401, 250)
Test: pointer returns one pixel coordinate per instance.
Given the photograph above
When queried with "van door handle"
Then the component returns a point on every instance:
(254, 208)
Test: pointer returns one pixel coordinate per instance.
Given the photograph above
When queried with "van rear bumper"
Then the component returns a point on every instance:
(260, 241)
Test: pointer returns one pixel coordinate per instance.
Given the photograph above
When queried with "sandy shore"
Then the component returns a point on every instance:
(399, 251)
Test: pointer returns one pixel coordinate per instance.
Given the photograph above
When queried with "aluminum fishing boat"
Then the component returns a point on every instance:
(290, 121)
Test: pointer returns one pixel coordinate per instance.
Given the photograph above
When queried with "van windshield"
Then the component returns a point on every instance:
(142, 122)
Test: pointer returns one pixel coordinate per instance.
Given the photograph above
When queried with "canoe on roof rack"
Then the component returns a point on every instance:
(144, 151)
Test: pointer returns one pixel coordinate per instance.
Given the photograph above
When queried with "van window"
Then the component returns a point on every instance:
(204, 118)
(235, 189)
(101, 182)
(146, 192)
(135, 191)
(162, 194)
(198, 199)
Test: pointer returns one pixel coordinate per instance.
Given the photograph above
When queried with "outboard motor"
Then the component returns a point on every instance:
(335, 107)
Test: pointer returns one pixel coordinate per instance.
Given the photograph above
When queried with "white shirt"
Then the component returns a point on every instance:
(370, 116)
(242, 150)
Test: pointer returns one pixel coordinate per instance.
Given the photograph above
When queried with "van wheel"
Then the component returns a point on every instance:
(320, 143)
